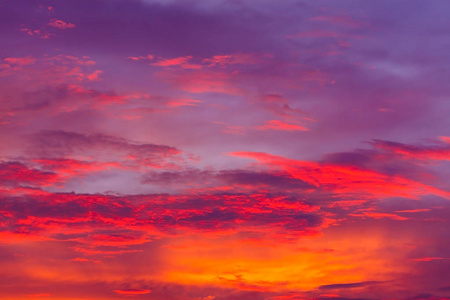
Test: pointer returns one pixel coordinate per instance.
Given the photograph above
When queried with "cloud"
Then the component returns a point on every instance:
(183, 102)
(37, 32)
(50, 70)
(340, 20)
(123, 221)
(16, 174)
(178, 61)
(280, 125)
(348, 285)
(424, 153)
(233, 59)
(196, 180)
(60, 24)
(347, 180)
(145, 57)
(278, 104)
(20, 60)
(72, 167)
(202, 81)
(133, 292)
(99, 148)
(427, 258)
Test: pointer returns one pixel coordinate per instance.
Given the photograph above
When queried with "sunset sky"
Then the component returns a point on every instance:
(224, 149)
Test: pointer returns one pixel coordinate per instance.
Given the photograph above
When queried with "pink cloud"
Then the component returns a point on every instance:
(199, 82)
(51, 70)
(324, 34)
(425, 153)
(28, 60)
(183, 102)
(37, 32)
(60, 24)
(232, 59)
(178, 61)
(95, 75)
(339, 20)
(445, 139)
(146, 57)
(280, 125)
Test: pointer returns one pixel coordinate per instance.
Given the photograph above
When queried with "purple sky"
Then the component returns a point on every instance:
(224, 149)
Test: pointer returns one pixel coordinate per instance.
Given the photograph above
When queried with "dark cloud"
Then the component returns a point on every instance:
(348, 285)
(239, 179)
(103, 148)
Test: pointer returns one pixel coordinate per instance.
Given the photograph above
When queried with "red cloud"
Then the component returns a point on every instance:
(98, 221)
(15, 173)
(132, 292)
(427, 258)
(376, 215)
(343, 179)
(74, 167)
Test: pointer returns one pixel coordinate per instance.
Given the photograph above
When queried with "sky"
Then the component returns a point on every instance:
(224, 150)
